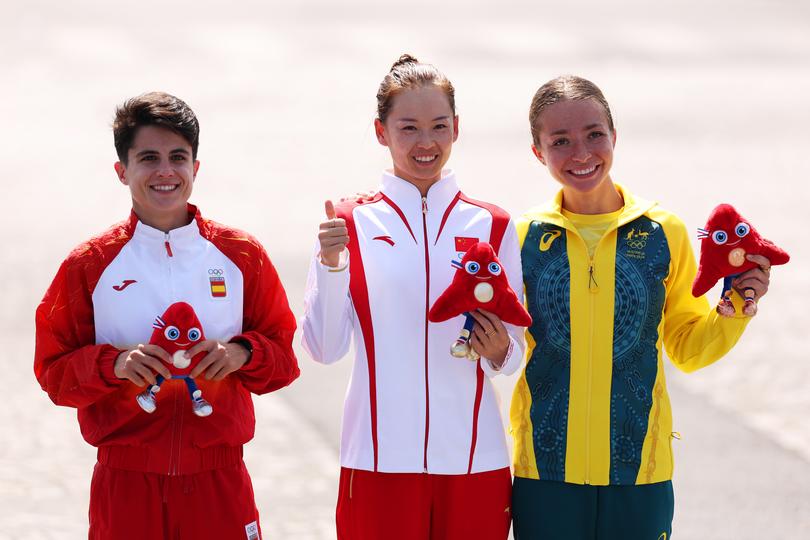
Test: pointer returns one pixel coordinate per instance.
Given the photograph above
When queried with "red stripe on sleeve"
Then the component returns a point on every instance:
(358, 288)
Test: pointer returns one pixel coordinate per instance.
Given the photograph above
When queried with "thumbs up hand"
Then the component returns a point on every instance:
(333, 237)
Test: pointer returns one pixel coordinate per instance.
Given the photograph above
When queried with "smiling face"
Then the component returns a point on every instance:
(159, 172)
(177, 329)
(729, 236)
(419, 131)
(575, 142)
(481, 263)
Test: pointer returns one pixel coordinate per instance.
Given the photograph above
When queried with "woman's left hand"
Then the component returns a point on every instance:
(489, 337)
(756, 279)
(221, 359)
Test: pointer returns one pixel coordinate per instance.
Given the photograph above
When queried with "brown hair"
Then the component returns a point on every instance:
(563, 88)
(154, 109)
(406, 73)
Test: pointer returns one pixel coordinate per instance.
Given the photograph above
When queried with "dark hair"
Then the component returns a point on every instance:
(563, 88)
(154, 109)
(407, 73)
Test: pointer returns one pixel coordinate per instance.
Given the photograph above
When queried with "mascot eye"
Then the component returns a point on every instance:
(719, 237)
(742, 229)
(171, 333)
(194, 334)
(494, 268)
(472, 267)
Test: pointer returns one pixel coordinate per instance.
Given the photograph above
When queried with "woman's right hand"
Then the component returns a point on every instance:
(333, 237)
(140, 364)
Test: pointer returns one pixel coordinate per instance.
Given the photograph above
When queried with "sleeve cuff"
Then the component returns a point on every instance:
(343, 263)
(490, 370)
(106, 365)
(245, 342)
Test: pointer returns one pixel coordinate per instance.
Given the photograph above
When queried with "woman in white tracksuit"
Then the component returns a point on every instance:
(423, 449)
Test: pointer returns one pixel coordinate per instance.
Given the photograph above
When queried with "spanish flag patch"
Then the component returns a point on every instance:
(218, 289)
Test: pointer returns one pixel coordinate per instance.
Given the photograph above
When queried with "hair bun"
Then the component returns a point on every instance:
(404, 59)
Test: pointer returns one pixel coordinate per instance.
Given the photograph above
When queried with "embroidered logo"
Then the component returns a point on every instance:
(216, 279)
(387, 239)
(636, 240)
(548, 238)
(126, 283)
(463, 243)
(252, 531)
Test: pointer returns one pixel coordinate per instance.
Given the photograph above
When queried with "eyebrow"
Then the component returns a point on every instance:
(150, 151)
(415, 120)
(564, 131)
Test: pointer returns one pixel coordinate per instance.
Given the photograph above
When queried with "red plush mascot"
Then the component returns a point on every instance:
(176, 331)
(725, 242)
(479, 283)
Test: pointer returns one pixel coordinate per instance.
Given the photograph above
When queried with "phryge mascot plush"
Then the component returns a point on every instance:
(176, 331)
(725, 241)
(479, 283)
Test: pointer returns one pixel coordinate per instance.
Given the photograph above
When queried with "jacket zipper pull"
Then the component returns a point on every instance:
(593, 286)
(424, 205)
(168, 246)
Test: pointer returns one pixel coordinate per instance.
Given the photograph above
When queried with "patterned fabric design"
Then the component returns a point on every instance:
(642, 264)
(547, 278)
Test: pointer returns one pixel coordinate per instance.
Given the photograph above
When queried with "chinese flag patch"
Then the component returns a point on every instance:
(218, 287)
(463, 243)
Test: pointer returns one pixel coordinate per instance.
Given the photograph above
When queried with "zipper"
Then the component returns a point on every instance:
(168, 245)
(427, 309)
(175, 439)
(177, 410)
(592, 291)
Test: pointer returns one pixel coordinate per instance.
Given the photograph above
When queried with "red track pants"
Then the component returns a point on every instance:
(209, 505)
(393, 506)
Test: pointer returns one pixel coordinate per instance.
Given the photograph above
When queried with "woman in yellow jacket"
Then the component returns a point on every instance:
(608, 283)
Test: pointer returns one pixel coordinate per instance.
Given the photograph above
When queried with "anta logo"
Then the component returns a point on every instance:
(387, 239)
(547, 239)
(124, 284)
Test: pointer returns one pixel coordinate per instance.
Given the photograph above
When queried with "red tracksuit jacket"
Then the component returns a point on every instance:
(105, 298)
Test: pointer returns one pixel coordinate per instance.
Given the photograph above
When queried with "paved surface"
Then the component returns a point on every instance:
(709, 99)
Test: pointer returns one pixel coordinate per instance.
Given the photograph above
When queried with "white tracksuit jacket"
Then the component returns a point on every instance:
(411, 406)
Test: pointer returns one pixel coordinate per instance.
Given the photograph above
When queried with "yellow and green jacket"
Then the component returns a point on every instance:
(591, 406)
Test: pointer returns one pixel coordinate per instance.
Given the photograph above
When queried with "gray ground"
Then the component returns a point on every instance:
(710, 100)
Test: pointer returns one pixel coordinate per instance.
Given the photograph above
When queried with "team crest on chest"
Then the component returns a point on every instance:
(216, 281)
(636, 240)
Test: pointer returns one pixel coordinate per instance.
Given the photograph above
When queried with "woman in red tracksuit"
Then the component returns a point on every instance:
(172, 469)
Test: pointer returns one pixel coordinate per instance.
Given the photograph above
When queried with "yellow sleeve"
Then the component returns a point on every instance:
(695, 336)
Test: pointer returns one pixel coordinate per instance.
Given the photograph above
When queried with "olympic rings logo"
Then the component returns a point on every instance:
(215, 272)
(636, 244)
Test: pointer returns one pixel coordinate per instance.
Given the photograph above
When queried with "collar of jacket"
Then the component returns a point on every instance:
(551, 212)
(405, 195)
(144, 232)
